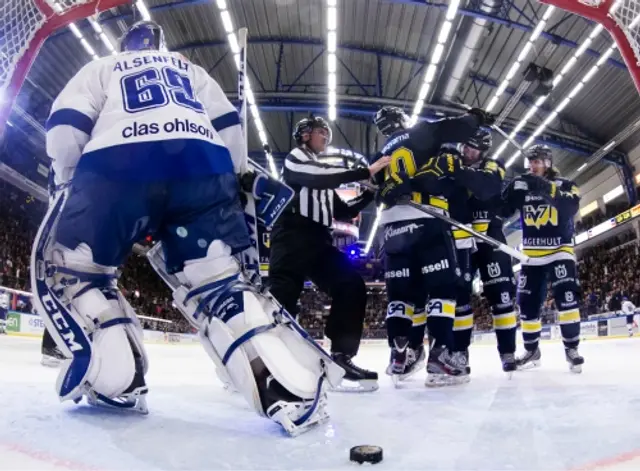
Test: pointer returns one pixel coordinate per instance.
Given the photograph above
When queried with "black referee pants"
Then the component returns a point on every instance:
(297, 254)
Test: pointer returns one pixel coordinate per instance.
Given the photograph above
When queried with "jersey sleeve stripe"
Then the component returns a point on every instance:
(70, 117)
(225, 121)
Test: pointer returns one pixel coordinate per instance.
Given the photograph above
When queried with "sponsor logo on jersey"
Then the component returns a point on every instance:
(505, 297)
(542, 241)
(540, 215)
(561, 271)
(404, 273)
(434, 267)
(529, 198)
(522, 281)
(393, 232)
(393, 142)
(493, 269)
(480, 215)
(399, 309)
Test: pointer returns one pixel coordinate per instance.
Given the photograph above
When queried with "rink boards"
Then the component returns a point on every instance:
(608, 326)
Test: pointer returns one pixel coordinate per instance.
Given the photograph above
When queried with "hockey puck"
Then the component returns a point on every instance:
(366, 454)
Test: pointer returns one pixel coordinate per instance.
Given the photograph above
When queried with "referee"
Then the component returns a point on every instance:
(302, 245)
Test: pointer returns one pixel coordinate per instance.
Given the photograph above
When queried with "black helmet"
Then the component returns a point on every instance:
(389, 119)
(540, 152)
(307, 125)
(481, 140)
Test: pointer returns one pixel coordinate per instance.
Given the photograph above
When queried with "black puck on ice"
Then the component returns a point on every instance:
(366, 454)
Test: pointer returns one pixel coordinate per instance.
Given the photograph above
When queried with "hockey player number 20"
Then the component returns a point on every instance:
(152, 88)
(402, 160)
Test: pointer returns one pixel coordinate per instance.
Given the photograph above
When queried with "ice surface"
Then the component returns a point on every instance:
(546, 418)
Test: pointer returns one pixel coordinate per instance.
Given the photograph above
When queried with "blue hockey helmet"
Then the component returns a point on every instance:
(143, 36)
(390, 119)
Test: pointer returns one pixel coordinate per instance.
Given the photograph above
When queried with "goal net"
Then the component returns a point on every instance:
(24, 26)
(621, 18)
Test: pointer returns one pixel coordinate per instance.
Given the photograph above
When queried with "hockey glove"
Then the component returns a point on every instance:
(444, 165)
(486, 118)
(538, 185)
(272, 196)
(396, 188)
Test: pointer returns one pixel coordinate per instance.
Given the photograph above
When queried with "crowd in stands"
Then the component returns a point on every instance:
(608, 272)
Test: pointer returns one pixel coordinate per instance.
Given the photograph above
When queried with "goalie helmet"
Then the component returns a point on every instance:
(390, 119)
(143, 36)
(307, 125)
(481, 140)
(540, 152)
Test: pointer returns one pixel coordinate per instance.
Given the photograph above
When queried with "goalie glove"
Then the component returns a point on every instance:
(272, 196)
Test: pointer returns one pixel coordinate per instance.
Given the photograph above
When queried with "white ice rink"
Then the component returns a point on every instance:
(542, 419)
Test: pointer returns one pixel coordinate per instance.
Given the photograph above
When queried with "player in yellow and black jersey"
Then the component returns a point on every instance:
(421, 269)
(547, 205)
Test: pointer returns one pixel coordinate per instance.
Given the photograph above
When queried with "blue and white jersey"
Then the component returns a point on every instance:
(144, 116)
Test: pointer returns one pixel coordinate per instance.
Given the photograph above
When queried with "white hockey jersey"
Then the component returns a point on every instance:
(145, 115)
(627, 308)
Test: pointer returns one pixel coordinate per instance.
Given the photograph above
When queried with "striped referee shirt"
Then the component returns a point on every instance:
(314, 183)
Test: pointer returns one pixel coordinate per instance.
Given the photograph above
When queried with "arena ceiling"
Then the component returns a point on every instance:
(384, 50)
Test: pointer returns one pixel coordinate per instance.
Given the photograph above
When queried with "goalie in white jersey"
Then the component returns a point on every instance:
(142, 143)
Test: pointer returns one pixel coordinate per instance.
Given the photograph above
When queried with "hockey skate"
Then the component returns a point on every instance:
(398, 360)
(530, 359)
(509, 364)
(279, 404)
(51, 357)
(358, 379)
(442, 370)
(574, 359)
(462, 360)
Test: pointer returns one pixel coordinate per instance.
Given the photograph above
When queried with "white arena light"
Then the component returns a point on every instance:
(332, 46)
(436, 57)
(563, 104)
(535, 34)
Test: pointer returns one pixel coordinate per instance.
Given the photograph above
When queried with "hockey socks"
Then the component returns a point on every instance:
(440, 316)
(462, 328)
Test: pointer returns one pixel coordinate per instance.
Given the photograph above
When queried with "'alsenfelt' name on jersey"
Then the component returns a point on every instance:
(136, 62)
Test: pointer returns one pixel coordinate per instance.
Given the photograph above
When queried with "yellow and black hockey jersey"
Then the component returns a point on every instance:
(410, 152)
(546, 218)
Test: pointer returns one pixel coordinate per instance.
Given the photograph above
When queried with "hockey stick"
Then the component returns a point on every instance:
(496, 244)
(251, 256)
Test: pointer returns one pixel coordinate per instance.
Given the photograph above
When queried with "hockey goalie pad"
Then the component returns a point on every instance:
(267, 357)
(100, 337)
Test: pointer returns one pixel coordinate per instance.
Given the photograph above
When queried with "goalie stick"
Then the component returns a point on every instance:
(251, 256)
(496, 244)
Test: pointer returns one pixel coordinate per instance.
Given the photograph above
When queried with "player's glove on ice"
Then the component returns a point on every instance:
(272, 196)
(396, 189)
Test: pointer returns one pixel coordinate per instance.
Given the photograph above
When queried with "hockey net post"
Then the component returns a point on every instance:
(24, 27)
(620, 17)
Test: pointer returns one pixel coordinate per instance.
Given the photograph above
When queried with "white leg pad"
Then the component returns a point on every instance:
(216, 338)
